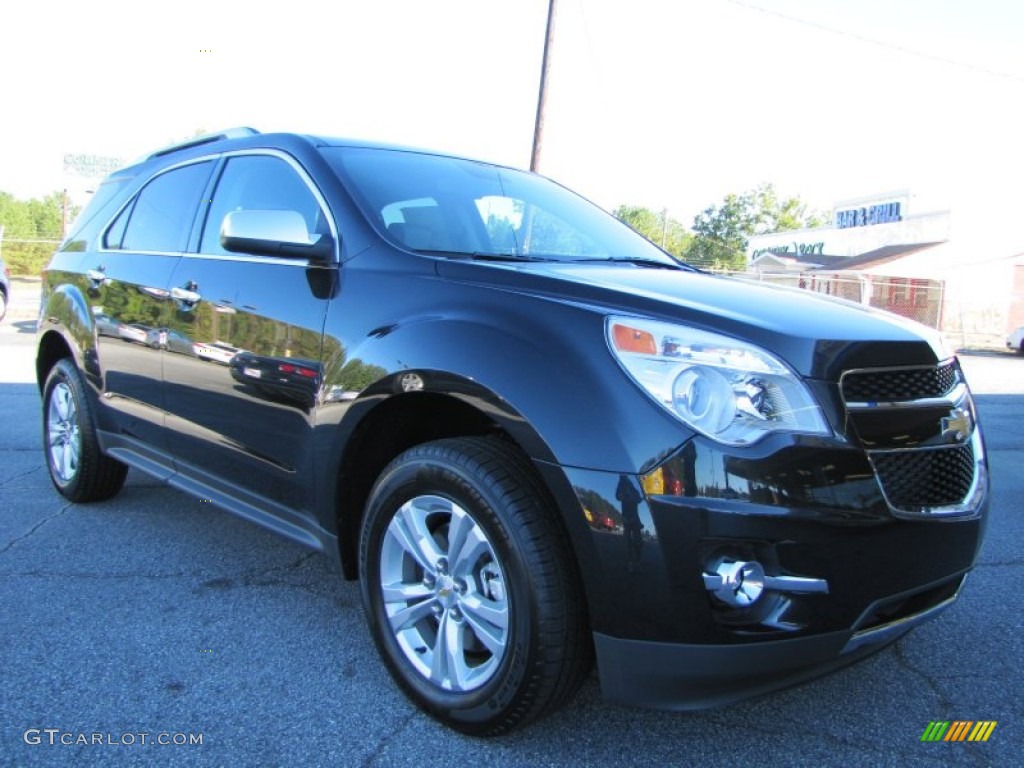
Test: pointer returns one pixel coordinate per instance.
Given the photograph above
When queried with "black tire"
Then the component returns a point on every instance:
(81, 473)
(515, 559)
(3, 304)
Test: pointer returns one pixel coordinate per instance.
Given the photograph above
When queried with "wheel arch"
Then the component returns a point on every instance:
(390, 425)
(381, 428)
(52, 347)
(66, 329)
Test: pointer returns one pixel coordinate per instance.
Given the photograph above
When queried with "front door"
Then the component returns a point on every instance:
(241, 391)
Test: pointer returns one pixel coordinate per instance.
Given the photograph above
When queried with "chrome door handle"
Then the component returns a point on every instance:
(185, 295)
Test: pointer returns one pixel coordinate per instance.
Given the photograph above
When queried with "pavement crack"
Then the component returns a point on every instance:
(904, 663)
(302, 560)
(282, 575)
(273, 570)
(86, 576)
(385, 740)
(18, 477)
(35, 528)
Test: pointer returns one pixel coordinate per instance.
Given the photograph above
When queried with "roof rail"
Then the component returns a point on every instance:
(206, 138)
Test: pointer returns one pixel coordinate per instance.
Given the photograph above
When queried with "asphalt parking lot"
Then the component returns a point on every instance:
(156, 614)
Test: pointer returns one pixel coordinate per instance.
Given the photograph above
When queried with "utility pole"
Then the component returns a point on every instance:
(538, 129)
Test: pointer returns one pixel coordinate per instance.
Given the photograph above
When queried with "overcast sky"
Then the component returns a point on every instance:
(654, 102)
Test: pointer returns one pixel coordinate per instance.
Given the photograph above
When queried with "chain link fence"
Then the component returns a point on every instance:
(968, 319)
(917, 299)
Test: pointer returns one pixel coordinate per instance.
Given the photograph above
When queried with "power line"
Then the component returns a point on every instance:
(879, 43)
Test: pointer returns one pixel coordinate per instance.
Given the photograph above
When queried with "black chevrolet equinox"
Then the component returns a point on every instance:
(537, 440)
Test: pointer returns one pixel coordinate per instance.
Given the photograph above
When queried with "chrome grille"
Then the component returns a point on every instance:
(898, 386)
(938, 476)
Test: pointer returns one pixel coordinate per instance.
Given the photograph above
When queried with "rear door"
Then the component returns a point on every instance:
(241, 407)
(128, 285)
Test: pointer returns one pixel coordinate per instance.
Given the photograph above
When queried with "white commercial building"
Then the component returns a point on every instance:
(879, 251)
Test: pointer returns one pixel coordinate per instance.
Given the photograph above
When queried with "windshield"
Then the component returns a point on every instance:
(448, 206)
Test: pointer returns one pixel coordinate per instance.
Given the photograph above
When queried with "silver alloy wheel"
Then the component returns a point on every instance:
(65, 441)
(444, 593)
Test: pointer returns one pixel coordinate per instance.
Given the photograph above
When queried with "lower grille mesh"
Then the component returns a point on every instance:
(915, 480)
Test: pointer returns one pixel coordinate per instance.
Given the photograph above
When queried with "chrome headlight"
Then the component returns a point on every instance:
(731, 391)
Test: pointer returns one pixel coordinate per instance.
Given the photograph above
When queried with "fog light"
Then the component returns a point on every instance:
(738, 584)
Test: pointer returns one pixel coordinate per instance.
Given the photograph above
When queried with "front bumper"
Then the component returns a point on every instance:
(803, 511)
(680, 676)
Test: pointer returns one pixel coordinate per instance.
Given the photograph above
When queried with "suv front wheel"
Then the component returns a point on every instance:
(468, 587)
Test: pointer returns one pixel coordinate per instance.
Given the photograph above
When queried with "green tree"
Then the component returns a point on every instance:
(779, 215)
(659, 228)
(722, 231)
(32, 230)
(720, 234)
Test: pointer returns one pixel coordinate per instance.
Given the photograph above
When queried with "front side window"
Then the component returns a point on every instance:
(261, 183)
(161, 217)
(446, 205)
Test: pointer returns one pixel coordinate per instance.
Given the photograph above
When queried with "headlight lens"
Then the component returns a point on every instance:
(729, 390)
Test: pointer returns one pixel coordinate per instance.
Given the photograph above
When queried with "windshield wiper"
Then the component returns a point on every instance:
(479, 256)
(639, 262)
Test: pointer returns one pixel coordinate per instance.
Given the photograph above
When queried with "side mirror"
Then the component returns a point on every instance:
(273, 233)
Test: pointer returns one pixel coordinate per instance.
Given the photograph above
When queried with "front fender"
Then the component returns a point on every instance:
(540, 368)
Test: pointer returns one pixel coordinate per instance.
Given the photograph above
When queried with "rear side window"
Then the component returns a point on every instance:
(259, 183)
(103, 202)
(161, 216)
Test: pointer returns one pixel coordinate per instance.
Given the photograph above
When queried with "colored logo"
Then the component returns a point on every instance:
(958, 424)
(958, 730)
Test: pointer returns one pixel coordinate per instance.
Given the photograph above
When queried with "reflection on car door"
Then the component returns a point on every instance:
(238, 422)
(127, 281)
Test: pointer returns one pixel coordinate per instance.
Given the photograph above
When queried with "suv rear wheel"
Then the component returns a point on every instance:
(468, 587)
(77, 467)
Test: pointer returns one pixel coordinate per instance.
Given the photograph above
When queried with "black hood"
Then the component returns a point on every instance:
(817, 335)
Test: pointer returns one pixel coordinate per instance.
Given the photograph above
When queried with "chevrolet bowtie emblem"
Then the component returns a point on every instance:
(958, 425)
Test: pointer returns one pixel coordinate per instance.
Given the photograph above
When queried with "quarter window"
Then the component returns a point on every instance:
(115, 232)
(162, 215)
